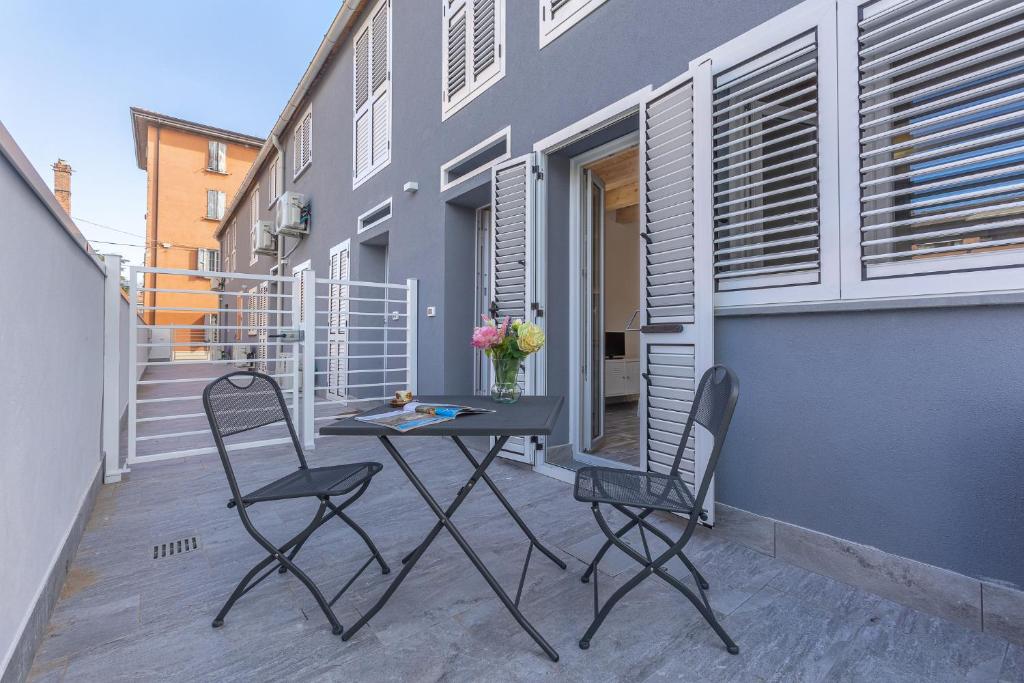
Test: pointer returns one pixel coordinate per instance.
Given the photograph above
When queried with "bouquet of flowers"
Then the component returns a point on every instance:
(507, 344)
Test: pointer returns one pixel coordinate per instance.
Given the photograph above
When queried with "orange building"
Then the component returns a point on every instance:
(193, 171)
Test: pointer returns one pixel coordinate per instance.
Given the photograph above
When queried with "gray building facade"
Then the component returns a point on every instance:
(891, 422)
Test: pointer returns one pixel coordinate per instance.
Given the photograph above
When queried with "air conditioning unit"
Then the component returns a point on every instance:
(266, 240)
(217, 283)
(289, 215)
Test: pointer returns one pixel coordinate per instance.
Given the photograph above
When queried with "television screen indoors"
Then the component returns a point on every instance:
(614, 344)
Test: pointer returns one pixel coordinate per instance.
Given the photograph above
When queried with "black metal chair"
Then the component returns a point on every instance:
(245, 400)
(712, 408)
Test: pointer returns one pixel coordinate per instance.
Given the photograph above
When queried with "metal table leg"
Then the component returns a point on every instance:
(444, 522)
(508, 507)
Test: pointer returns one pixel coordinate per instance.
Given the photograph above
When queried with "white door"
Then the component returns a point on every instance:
(337, 322)
(592, 305)
(512, 225)
(676, 272)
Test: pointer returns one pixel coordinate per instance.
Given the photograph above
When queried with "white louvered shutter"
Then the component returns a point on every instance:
(677, 325)
(252, 305)
(557, 16)
(456, 41)
(774, 150)
(211, 203)
(297, 150)
(941, 130)
(472, 43)
(307, 138)
(263, 321)
(217, 156)
(221, 201)
(337, 324)
(371, 134)
(511, 273)
(766, 186)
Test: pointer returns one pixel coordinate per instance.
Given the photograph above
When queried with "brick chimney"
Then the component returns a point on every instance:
(62, 184)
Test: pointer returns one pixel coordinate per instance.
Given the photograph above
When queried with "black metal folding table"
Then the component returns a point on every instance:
(530, 416)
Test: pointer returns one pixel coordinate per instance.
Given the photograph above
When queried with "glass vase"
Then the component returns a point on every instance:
(506, 382)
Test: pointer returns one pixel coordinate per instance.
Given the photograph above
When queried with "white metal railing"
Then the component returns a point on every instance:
(357, 346)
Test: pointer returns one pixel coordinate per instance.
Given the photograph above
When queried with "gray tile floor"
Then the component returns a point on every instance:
(125, 616)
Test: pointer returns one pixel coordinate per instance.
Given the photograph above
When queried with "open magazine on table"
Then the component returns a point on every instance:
(414, 415)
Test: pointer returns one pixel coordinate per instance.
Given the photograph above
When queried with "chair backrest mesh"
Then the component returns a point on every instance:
(712, 408)
(711, 405)
(240, 401)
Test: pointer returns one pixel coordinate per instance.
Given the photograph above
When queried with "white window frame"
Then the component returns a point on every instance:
(475, 86)
(571, 14)
(254, 222)
(208, 259)
(989, 277)
(505, 133)
(302, 130)
(819, 14)
(274, 180)
(361, 224)
(384, 91)
(220, 157)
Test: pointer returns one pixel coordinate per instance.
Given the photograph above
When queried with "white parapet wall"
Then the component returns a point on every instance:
(51, 342)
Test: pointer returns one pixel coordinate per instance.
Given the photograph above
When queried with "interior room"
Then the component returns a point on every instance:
(615, 291)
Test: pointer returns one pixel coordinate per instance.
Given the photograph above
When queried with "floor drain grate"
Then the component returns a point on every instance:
(178, 547)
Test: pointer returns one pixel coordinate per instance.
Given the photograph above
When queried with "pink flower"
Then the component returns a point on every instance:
(504, 327)
(486, 336)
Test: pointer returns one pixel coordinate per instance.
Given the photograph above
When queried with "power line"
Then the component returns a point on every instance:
(118, 244)
(107, 227)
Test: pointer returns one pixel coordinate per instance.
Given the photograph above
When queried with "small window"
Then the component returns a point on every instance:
(215, 204)
(558, 16)
(217, 157)
(302, 147)
(375, 216)
(371, 104)
(477, 159)
(473, 37)
(208, 259)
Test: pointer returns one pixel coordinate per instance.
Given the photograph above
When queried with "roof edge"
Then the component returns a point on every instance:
(336, 33)
(141, 116)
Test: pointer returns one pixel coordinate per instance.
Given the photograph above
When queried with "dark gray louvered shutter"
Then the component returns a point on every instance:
(457, 39)
(362, 68)
(512, 202)
(676, 335)
(557, 5)
(485, 24)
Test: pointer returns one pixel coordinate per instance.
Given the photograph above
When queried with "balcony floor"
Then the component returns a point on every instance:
(125, 616)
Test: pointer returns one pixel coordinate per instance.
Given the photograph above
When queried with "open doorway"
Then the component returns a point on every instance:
(609, 305)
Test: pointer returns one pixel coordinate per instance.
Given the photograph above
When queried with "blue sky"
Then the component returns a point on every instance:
(72, 69)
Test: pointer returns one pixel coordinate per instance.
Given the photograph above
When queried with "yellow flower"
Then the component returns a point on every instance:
(530, 338)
